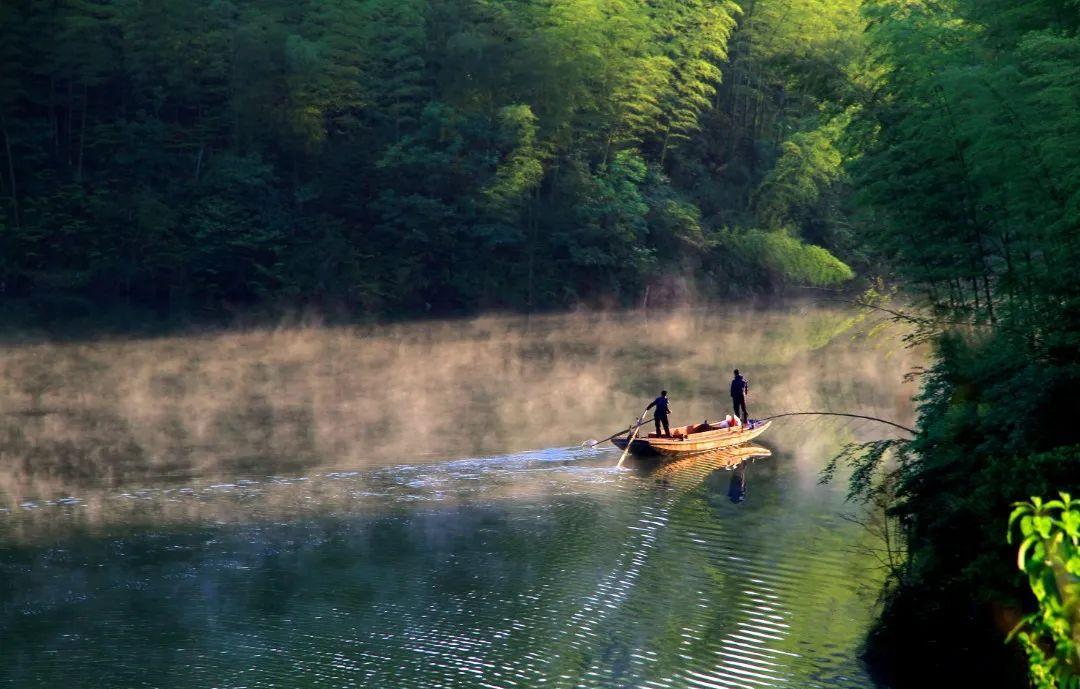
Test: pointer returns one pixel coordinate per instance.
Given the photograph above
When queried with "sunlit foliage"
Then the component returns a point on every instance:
(1049, 553)
(413, 154)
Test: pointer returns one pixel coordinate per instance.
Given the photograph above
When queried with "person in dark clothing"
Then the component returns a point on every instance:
(740, 388)
(661, 414)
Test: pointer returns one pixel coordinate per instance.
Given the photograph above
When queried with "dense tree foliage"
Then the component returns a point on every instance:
(411, 154)
(967, 172)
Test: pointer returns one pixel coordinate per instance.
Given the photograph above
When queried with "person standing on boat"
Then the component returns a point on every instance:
(740, 388)
(661, 414)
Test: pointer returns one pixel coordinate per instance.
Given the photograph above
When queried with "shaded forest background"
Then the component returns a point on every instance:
(406, 156)
(418, 155)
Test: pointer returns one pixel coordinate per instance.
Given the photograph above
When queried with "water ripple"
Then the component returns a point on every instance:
(544, 568)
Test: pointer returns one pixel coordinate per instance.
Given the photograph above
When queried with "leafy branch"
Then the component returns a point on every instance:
(865, 461)
(1050, 556)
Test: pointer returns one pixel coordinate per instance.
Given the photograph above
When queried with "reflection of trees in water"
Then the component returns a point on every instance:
(83, 417)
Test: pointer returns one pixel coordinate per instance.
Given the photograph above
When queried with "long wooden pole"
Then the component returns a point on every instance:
(633, 435)
(594, 443)
(833, 413)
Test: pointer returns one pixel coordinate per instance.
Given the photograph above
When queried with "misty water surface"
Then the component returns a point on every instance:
(410, 506)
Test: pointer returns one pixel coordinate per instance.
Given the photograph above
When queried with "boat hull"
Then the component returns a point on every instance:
(669, 449)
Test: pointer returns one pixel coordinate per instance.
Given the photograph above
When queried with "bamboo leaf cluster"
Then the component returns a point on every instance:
(384, 156)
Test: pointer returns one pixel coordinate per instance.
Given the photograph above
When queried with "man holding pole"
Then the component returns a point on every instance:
(661, 414)
(740, 388)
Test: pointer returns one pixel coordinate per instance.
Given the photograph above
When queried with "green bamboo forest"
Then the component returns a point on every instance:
(198, 160)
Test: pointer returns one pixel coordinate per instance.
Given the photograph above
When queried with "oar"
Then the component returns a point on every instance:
(640, 421)
(594, 443)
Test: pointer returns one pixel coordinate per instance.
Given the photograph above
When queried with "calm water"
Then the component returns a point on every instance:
(411, 507)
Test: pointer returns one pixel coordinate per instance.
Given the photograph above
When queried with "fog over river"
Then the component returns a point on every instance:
(411, 506)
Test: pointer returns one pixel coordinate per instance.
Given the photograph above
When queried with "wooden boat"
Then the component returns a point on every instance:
(691, 440)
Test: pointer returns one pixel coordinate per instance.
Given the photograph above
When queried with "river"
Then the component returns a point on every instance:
(411, 506)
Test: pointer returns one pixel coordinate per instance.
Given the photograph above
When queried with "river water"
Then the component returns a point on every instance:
(411, 505)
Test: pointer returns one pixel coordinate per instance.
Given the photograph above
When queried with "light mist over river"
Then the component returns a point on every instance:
(410, 505)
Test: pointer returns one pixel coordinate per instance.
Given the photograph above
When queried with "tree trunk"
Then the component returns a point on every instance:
(989, 300)
(198, 161)
(1010, 272)
(531, 251)
(82, 138)
(958, 301)
(397, 120)
(972, 216)
(607, 146)
(975, 289)
(68, 121)
(11, 169)
(54, 121)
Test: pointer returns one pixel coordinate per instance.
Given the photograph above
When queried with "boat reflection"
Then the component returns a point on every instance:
(692, 470)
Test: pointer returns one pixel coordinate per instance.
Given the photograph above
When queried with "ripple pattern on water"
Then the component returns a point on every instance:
(538, 569)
